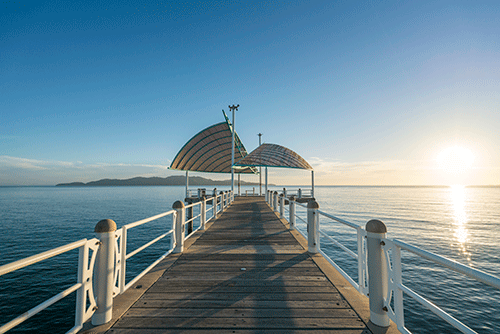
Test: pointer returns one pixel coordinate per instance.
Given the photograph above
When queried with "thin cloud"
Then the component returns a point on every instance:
(22, 171)
(333, 167)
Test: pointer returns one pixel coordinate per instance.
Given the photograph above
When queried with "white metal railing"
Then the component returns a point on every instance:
(379, 256)
(392, 249)
(299, 192)
(83, 286)
(121, 255)
(249, 192)
(101, 275)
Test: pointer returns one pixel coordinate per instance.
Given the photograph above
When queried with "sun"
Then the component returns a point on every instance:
(455, 160)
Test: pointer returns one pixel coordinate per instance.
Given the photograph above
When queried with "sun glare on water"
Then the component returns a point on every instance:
(455, 160)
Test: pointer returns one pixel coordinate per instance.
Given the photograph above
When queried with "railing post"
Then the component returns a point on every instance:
(299, 193)
(275, 201)
(214, 205)
(179, 207)
(105, 272)
(189, 215)
(203, 212)
(221, 201)
(282, 206)
(312, 227)
(377, 272)
(292, 212)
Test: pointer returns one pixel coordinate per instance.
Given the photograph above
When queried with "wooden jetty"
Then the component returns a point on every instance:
(246, 273)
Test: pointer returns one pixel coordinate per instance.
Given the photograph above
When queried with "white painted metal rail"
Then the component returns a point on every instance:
(83, 286)
(121, 251)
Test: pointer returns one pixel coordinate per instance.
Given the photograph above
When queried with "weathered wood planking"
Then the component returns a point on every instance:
(245, 274)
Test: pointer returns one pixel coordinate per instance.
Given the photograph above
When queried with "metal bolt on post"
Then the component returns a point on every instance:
(104, 272)
(377, 272)
(179, 207)
(312, 227)
(292, 212)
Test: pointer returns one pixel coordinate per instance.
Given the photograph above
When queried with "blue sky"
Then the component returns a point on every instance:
(369, 92)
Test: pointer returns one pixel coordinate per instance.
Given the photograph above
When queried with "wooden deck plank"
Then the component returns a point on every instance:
(239, 296)
(245, 274)
(242, 303)
(236, 331)
(227, 323)
(240, 312)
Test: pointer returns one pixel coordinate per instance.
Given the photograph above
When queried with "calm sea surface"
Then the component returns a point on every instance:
(460, 223)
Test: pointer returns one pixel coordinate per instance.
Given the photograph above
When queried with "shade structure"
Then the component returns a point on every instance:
(273, 155)
(210, 151)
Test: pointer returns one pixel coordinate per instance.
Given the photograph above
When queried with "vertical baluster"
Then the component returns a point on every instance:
(361, 262)
(398, 294)
(123, 260)
(81, 300)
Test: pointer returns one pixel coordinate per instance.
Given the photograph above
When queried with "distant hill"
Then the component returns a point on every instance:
(154, 181)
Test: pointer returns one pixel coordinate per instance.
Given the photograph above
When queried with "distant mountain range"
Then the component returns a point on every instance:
(154, 181)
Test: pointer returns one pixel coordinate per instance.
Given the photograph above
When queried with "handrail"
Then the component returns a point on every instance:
(476, 274)
(347, 250)
(122, 256)
(9, 267)
(129, 255)
(147, 220)
(345, 222)
(83, 285)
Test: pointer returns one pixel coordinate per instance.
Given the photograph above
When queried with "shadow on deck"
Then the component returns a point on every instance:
(247, 273)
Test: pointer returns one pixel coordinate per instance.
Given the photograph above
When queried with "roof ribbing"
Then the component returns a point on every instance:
(272, 155)
(210, 151)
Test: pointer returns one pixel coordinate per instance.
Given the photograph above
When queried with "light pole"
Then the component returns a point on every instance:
(232, 108)
(260, 170)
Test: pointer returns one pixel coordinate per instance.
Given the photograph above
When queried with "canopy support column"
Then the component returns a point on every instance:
(233, 108)
(266, 185)
(312, 183)
(187, 184)
(260, 170)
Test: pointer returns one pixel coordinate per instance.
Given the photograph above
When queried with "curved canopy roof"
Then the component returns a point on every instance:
(272, 155)
(210, 151)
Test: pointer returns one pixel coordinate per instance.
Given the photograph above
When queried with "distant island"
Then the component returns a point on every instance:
(155, 181)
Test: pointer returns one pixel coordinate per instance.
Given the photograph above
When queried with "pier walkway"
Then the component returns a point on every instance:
(247, 273)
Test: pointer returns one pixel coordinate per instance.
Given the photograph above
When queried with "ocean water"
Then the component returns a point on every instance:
(460, 223)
